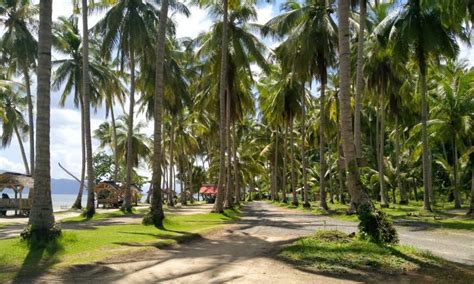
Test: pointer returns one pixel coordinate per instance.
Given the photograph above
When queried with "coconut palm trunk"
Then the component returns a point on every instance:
(471, 207)
(127, 204)
(29, 98)
(219, 204)
(292, 161)
(41, 216)
(156, 209)
(114, 137)
(275, 166)
(457, 201)
(381, 144)
(229, 192)
(87, 120)
(78, 202)
(403, 192)
(424, 132)
(171, 166)
(284, 176)
(236, 165)
(359, 78)
(322, 144)
(303, 153)
(358, 195)
(22, 149)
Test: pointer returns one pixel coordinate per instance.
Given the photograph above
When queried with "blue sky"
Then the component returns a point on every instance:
(65, 122)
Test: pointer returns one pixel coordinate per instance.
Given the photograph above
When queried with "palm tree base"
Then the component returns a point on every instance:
(295, 203)
(306, 205)
(403, 202)
(41, 237)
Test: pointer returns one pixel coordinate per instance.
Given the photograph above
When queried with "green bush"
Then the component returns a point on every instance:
(376, 226)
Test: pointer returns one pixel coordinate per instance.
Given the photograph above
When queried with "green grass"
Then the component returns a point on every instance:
(106, 215)
(441, 217)
(334, 252)
(17, 259)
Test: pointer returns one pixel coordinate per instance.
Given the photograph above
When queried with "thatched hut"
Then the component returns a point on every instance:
(17, 182)
(136, 193)
(109, 194)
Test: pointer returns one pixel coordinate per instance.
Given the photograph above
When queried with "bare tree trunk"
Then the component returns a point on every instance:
(383, 191)
(285, 147)
(114, 134)
(292, 161)
(41, 215)
(358, 195)
(127, 204)
(275, 165)
(78, 202)
(359, 79)
(236, 165)
(22, 149)
(31, 118)
(322, 144)
(219, 204)
(471, 207)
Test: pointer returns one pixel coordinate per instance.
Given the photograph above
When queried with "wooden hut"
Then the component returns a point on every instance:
(136, 193)
(17, 182)
(109, 194)
(208, 192)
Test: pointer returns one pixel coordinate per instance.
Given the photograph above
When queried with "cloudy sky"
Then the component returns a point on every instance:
(65, 122)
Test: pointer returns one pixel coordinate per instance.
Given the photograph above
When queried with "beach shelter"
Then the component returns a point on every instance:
(209, 192)
(109, 194)
(17, 182)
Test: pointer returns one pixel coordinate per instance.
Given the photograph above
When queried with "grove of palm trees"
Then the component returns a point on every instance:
(335, 138)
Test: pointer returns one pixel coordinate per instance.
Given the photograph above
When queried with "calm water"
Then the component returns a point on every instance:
(65, 201)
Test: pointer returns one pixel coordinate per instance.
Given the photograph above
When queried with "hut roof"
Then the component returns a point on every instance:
(15, 181)
(107, 185)
(208, 189)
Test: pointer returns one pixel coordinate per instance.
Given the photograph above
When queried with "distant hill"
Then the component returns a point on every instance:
(62, 186)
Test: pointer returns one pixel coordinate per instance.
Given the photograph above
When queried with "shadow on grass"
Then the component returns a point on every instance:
(41, 256)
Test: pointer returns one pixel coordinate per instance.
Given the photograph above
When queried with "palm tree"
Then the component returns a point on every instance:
(128, 26)
(416, 31)
(41, 216)
(13, 122)
(359, 76)
(301, 24)
(18, 41)
(358, 195)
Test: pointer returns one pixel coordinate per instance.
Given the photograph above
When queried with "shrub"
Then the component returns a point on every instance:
(375, 225)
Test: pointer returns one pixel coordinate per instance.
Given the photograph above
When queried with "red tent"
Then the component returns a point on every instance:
(210, 189)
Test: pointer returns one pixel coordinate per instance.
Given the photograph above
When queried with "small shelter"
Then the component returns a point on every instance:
(109, 194)
(17, 182)
(208, 192)
(136, 193)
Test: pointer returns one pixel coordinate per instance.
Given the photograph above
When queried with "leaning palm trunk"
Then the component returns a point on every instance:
(22, 149)
(78, 203)
(87, 120)
(219, 204)
(41, 215)
(359, 79)
(424, 134)
(322, 145)
(292, 161)
(29, 98)
(127, 204)
(358, 195)
(383, 192)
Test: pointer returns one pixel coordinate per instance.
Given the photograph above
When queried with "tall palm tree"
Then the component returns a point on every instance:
(128, 26)
(359, 76)
(417, 31)
(13, 122)
(19, 18)
(301, 24)
(41, 215)
(358, 195)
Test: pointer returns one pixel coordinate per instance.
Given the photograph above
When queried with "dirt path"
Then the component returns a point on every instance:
(243, 253)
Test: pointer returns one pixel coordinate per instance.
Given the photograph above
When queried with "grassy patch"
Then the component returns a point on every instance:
(335, 252)
(87, 245)
(106, 215)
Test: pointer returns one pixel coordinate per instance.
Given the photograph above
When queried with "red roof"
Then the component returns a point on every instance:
(208, 189)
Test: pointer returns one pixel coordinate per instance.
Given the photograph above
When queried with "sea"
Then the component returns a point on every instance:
(63, 202)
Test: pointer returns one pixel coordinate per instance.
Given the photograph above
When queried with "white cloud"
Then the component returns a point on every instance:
(11, 166)
(199, 21)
